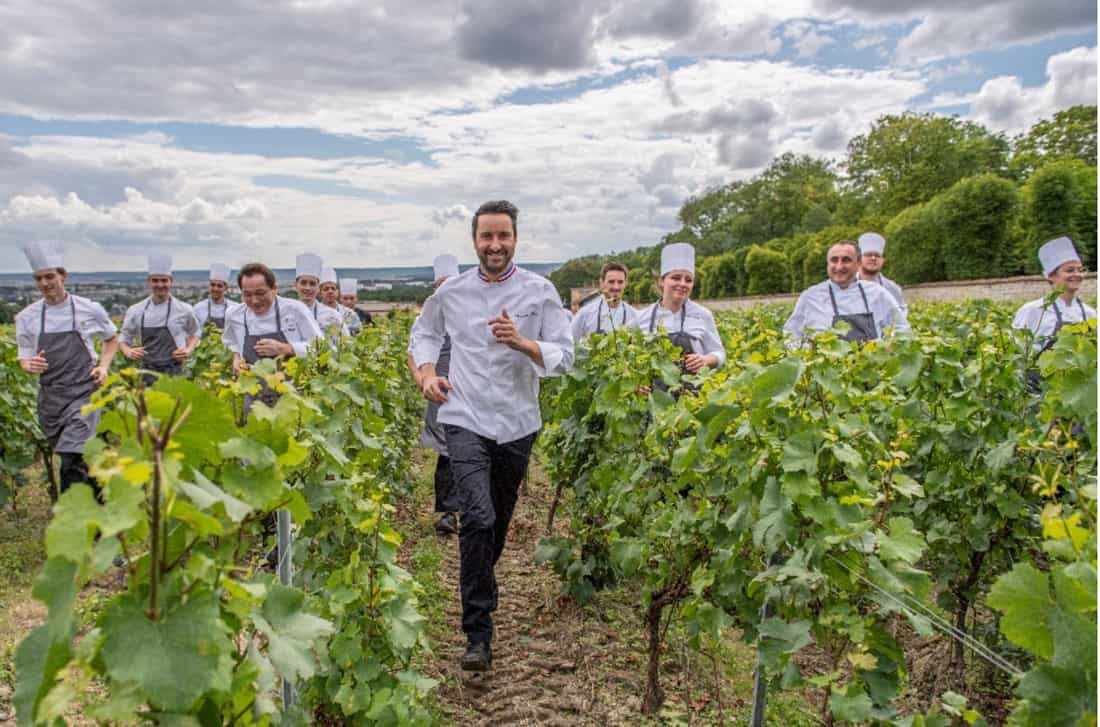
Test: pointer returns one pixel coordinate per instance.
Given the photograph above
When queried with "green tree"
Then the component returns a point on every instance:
(1059, 199)
(766, 271)
(978, 215)
(1069, 134)
(916, 235)
(909, 158)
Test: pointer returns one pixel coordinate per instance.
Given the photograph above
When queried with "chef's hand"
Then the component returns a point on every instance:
(644, 390)
(505, 331)
(435, 388)
(270, 348)
(181, 354)
(36, 364)
(695, 362)
(134, 353)
(239, 365)
(99, 373)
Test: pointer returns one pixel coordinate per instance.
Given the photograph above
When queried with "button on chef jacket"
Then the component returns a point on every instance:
(298, 323)
(182, 326)
(495, 389)
(698, 323)
(611, 319)
(891, 287)
(92, 322)
(206, 309)
(814, 311)
(1041, 320)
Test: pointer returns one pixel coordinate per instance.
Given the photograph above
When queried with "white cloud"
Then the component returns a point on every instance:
(588, 174)
(946, 28)
(1005, 104)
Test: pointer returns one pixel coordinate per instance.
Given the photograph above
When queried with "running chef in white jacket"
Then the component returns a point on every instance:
(55, 338)
(507, 329)
(866, 307)
(1062, 267)
(165, 326)
(212, 310)
(608, 312)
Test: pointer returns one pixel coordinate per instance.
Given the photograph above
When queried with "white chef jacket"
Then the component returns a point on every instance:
(183, 325)
(495, 389)
(891, 287)
(206, 309)
(588, 318)
(350, 318)
(698, 323)
(328, 320)
(299, 326)
(814, 309)
(1041, 319)
(92, 322)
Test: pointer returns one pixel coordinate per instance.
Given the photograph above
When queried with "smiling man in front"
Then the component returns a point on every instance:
(507, 329)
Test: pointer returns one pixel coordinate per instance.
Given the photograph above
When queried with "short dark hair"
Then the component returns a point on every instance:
(497, 207)
(608, 267)
(853, 243)
(256, 269)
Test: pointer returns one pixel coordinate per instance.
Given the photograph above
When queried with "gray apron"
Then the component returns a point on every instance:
(681, 339)
(159, 344)
(432, 434)
(1034, 378)
(611, 318)
(266, 394)
(218, 323)
(65, 387)
(862, 325)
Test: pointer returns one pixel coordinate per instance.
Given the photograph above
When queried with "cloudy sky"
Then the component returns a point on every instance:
(368, 131)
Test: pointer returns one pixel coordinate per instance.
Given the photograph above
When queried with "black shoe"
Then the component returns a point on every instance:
(447, 524)
(478, 657)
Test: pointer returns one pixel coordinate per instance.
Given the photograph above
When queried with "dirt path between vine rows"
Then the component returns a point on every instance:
(552, 663)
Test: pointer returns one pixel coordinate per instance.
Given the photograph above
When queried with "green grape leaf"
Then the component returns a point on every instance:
(776, 382)
(1057, 697)
(72, 528)
(626, 555)
(174, 660)
(779, 638)
(1023, 596)
(46, 649)
(205, 494)
(903, 543)
(249, 450)
(208, 423)
(776, 519)
(293, 633)
(852, 705)
(403, 624)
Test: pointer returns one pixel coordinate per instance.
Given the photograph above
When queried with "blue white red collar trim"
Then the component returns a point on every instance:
(507, 274)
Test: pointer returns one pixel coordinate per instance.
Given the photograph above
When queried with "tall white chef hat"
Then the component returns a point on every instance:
(349, 286)
(871, 242)
(44, 255)
(445, 266)
(219, 271)
(1054, 253)
(328, 275)
(160, 263)
(308, 264)
(678, 256)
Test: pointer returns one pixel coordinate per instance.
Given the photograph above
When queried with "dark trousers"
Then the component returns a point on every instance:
(486, 477)
(74, 469)
(444, 485)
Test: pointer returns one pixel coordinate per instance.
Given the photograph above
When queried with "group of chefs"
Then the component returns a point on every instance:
(56, 335)
(477, 350)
